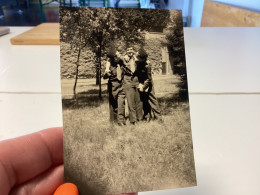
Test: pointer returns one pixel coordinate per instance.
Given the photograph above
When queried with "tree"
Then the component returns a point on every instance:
(175, 44)
(102, 30)
(73, 31)
(96, 28)
(120, 25)
(134, 22)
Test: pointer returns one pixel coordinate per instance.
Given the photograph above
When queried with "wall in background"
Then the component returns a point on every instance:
(176, 4)
(180, 4)
(191, 9)
(196, 12)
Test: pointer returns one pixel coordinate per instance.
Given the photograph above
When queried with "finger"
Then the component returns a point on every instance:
(71, 189)
(67, 189)
(44, 184)
(25, 157)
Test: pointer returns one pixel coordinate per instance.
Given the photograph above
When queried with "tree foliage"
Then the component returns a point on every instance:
(96, 29)
(175, 44)
(73, 31)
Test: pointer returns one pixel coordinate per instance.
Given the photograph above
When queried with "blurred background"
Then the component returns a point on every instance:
(196, 13)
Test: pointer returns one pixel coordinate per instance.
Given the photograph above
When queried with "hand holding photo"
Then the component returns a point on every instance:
(125, 100)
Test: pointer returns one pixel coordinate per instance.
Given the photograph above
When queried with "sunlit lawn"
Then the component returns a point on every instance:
(124, 159)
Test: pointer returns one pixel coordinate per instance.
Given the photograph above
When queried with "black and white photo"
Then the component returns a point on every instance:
(125, 100)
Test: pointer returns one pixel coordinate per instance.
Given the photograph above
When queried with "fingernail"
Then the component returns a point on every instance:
(67, 189)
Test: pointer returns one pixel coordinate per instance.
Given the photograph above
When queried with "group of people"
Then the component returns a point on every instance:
(130, 87)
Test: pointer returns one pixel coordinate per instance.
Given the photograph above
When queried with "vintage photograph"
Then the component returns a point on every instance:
(126, 115)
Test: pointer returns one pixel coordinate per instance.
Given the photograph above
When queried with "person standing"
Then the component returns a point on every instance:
(146, 87)
(116, 93)
(130, 86)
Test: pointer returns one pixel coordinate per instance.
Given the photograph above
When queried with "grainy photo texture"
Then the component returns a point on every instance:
(125, 100)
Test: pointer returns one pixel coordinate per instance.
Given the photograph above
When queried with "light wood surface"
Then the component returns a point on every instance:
(43, 34)
(221, 15)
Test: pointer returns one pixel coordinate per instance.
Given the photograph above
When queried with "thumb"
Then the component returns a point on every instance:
(67, 189)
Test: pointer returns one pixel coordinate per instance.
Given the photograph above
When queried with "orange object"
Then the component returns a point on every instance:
(67, 189)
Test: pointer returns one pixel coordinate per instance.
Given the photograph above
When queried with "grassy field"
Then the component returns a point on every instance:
(164, 84)
(104, 158)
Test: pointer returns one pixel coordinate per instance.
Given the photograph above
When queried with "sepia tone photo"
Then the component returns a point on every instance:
(125, 100)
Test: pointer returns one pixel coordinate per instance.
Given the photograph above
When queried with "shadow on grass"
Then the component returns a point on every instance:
(170, 102)
(93, 92)
(90, 99)
(84, 101)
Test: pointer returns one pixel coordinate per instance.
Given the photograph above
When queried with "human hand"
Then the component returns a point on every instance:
(33, 164)
(126, 58)
(141, 87)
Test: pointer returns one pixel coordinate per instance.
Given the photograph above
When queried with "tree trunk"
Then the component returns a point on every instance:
(99, 74)
(76, 72)
(98, 53)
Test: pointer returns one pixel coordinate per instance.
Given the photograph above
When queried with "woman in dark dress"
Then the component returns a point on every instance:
(146, 87)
